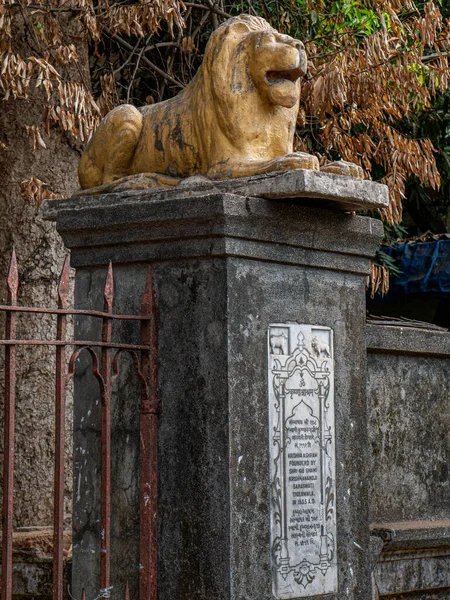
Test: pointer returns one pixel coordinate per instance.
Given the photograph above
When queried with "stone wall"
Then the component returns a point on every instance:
(33, 563)
(408, 392)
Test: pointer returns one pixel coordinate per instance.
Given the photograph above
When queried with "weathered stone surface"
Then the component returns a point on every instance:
(422, 574)
(415, 559)
(124, 454)
(33, 577)
(217, 225)
(408, 390)
(413, 535)
(322, 190)
(225, 267)
(32, 572)
(389, 339)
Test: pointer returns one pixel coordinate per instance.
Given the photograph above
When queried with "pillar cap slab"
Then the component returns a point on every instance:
(149, 226)
(315, 188)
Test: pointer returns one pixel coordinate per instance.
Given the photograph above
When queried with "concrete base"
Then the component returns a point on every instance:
(225, 267)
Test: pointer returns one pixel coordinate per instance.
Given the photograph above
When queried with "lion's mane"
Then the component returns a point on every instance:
(213, 90)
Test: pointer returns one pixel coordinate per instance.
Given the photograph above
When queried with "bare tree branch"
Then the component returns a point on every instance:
(213, 9)
(430, 57)
(130, 56)
(145, 60)
(134, 74)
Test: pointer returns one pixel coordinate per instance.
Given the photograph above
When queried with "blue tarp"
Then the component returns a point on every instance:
(424, 266)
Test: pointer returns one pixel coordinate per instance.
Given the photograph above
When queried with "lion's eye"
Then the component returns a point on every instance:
(264, 39)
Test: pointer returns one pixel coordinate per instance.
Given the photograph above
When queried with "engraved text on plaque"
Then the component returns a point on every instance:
(302, 460)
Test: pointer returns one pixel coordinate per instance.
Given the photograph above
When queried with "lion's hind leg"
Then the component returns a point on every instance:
(109, 154)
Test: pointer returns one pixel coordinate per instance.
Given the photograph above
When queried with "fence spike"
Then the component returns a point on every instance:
(127, 592)
(12, 279)
(63, 285)
(83, 594)
(108, 292)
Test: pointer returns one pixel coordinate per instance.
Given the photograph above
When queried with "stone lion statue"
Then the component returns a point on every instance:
(236, 118)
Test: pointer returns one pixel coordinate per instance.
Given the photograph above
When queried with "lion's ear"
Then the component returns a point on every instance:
(237, 27)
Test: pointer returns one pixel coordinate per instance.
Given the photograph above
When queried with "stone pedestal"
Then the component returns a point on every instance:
(226, 266)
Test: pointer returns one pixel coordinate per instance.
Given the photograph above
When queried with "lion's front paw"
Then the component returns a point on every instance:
(298, 160)
(342, 167)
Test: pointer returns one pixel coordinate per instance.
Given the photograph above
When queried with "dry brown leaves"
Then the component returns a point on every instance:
(33, 132)
(378, 280)
(77, 112)
(187, 44)
(34, 191)
(429, 25)
(47, 76)
(70, 104)
(359, 89)
(358, 94)
(15, 75)
(108, 98)
(5, 26)
(143, 18)
(65, 55)
(140, 19)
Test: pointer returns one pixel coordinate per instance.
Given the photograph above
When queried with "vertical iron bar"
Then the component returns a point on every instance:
(12, 282)
(148, 472)
(105, 516)
(60, 432)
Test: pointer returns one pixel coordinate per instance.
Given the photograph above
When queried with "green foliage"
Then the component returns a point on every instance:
(386, 260)
(392, 233)
(428, 207)
(350, 17)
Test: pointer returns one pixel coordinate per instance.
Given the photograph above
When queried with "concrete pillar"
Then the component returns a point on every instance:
(225, 266)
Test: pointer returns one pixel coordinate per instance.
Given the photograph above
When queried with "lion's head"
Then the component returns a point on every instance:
(245, 54)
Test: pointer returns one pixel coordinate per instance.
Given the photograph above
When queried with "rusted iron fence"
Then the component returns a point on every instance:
(105, 356)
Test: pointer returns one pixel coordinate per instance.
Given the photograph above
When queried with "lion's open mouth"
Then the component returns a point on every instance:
(282, 76)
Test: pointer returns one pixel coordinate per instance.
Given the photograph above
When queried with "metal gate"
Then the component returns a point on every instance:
(105, 356)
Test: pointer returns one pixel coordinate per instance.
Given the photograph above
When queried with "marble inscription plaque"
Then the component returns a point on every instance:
(302, 460)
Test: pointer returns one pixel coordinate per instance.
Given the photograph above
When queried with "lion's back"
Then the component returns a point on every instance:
(170, 141)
